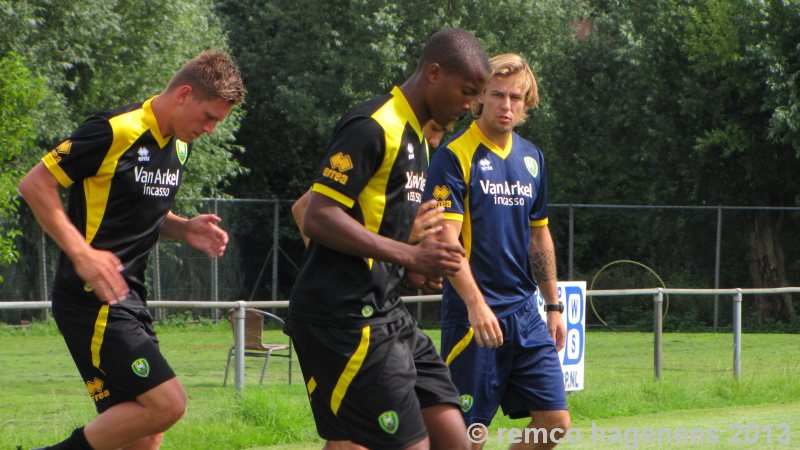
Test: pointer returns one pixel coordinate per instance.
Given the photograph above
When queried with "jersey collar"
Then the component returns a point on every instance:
(501, 152)
(152, 123)
(405, 109)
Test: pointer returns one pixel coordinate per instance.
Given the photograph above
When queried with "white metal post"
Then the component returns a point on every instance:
(238, 355)
(737, 334)
(658, 299)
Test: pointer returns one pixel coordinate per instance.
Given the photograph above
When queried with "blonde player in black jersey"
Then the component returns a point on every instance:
(123, 168)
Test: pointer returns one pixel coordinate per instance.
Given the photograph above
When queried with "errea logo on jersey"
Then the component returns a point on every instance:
(441, 193)
(339, 163)
(410, 150)
(485, 164)
(144, 154)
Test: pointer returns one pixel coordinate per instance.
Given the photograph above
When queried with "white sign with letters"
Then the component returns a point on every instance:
(573, 295)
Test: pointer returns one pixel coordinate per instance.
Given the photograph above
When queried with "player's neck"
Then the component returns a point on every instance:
(415, 95)
(500, 139)
(162, 110)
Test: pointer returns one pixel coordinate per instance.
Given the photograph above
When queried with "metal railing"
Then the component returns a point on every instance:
(657, 293)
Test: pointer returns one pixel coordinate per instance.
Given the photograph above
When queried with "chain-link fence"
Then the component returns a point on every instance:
(608, 246)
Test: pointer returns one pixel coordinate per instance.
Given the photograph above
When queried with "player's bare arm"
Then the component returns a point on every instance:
(201, 232)
(484, 323)
(327, 223)
(427, 222)
(543, 262)
(100, 268)
(299, 212)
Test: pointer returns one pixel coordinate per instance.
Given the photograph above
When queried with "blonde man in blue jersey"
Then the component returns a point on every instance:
(123, 168)
(492, 184)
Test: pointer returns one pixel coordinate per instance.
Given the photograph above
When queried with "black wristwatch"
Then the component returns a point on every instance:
(559, 307)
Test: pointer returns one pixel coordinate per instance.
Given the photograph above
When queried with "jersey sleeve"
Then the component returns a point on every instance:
(446, 183)
(538, 216)
(81, 155)
(354, 155)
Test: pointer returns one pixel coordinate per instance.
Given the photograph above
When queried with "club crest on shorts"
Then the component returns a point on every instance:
(532, 165)
(466, 402)
(141, 367)
(182, 150)
(389, 422)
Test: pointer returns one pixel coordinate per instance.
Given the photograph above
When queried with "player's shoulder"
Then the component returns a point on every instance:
(525, 146)
(360, 116)
(118, 111)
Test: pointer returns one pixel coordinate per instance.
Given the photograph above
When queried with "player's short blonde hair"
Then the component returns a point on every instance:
(211, 74)
(509, 64)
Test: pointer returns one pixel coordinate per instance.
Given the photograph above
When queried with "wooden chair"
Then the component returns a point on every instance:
(254, 345)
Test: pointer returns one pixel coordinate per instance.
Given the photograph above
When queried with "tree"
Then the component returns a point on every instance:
(20, 93)
(98, 54)
(691, 103)
(127, 54)
(305, 64)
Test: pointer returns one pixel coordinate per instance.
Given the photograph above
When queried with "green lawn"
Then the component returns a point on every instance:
(42, 398)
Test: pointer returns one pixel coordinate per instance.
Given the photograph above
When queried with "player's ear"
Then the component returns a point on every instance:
(183, 93)
(433, 73)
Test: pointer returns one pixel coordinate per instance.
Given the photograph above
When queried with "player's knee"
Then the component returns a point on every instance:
(560, 422)
(166, 413)
(174, 410)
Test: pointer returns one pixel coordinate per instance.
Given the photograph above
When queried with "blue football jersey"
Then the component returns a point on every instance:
(498, 194)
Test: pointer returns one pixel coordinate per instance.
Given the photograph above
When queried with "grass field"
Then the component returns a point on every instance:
(696, 405)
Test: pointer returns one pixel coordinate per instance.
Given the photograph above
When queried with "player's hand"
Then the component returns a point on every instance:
(555, 325)
(428, 221)
(487, 331)
(435, 258)
(433, 285)
(100, 269)
(427, 284)
(203, 234)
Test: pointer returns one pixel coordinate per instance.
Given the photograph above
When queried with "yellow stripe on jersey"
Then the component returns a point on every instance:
(127, 128)
(99, 332)
(460, 346)
(350, 370)
(464, 148)
(333, 194)
(540, 222)
(391, 117)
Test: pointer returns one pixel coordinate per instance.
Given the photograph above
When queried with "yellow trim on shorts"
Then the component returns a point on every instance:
(350, 370)
(462, 344)
(333, 194)
(539, 223)
(311, 385)
(99, 332)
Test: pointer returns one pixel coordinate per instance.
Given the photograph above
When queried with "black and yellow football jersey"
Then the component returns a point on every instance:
(124, 176)
(375, 166)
